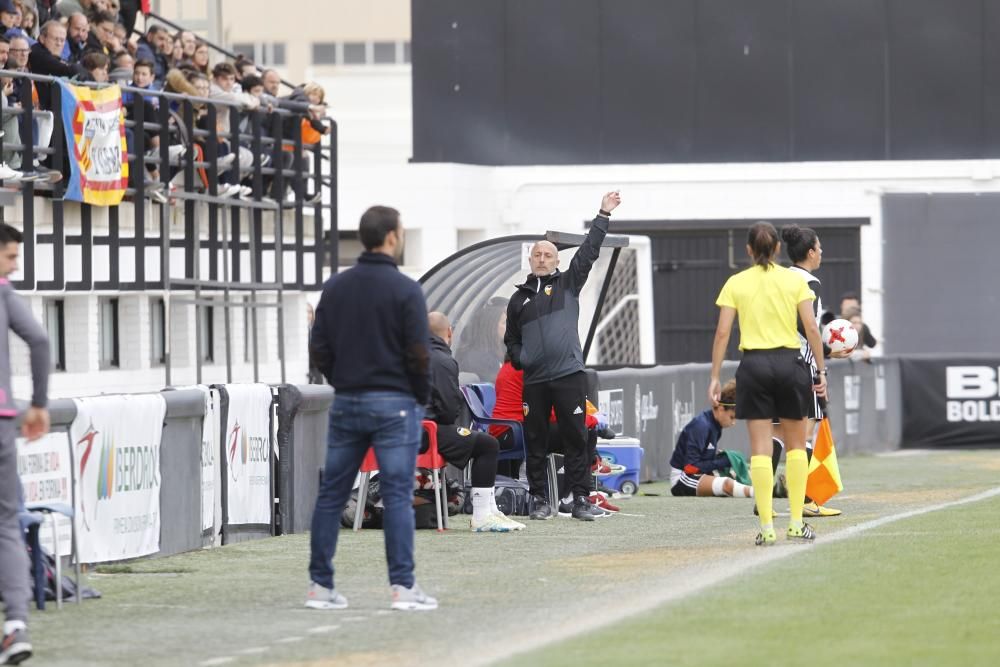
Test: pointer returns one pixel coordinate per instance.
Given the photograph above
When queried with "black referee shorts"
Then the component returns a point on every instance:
(773, 384)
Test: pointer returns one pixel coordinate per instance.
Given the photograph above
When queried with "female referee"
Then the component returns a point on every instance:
(773, 379)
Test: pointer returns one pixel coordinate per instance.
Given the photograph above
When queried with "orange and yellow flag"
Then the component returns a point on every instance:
(824, 474)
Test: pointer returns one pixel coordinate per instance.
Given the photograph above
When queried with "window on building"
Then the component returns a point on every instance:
(355, 53)
(276, 57)
(262, 53)
(406, 52)
(248, 49)
(158, 331)
(109, 357)
(207, 315)
(55, 326)
(384, 53)
(324, 53)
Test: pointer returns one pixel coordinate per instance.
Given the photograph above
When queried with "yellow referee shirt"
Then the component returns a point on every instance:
(766, 303)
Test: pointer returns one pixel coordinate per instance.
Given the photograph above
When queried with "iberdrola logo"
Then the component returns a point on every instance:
(87, 444)
(234, 444)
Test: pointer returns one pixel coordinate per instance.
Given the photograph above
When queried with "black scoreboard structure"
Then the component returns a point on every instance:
(525, 82)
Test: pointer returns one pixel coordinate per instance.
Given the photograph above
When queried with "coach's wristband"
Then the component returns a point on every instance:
(606, 214)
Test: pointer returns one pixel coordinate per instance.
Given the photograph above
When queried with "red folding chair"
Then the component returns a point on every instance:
(430, 459)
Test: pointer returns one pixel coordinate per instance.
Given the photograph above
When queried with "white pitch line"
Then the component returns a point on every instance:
(255, 650)
(289, 640)
(217, 661)
(320, 629)
(715, 573)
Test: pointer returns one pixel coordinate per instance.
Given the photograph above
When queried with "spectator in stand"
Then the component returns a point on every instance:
(272, 82)
(29, 18)
(850, 302)
(77, 35)
(10, 18)
(121, 32)
(252, 85)
(188, 43)
(223, 88)
(102, 35)
(17, 61)
(176, 53)
(9, 121)
(45, 59)
(96, 64)
(199, 61)
(312, 127)
(37, 95)
(244, 67)
(148, 48)
(122, 64)
(853, 315)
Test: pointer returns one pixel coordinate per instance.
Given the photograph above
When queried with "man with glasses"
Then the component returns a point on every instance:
(46, 58)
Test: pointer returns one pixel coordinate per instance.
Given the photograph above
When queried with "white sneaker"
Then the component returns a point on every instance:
(228, 190)
(493, 523)
(514, 525)
(8, 174)
(225, 162)
(246, 192)
(175, 151)
(318, 597)
(412, 599)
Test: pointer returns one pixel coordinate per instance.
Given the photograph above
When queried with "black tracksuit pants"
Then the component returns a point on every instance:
(568, 395)
(459, 445)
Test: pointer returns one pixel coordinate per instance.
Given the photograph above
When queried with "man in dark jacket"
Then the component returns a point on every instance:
(698, 462)
(45, 58)
(542, 340)
(370, 341)
(459, 445)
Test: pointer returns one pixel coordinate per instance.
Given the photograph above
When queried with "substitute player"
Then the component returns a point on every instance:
(773, 379)
(697, 464)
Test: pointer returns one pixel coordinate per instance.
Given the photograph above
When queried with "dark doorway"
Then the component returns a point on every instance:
(692, 260)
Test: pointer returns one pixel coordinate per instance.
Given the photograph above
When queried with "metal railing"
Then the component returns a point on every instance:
(239, 244)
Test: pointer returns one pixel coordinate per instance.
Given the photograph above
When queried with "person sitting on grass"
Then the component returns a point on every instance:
(698, 466)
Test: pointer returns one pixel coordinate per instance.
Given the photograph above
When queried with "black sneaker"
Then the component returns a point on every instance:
(543, 510)
(15, 648)
(583, 510)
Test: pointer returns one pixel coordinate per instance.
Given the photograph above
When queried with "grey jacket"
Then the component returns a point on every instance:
(16, 316)
(543, 315)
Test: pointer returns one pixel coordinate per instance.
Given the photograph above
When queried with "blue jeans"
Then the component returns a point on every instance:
(390, 422)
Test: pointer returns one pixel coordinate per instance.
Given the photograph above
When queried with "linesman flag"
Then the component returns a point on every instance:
(824, 475)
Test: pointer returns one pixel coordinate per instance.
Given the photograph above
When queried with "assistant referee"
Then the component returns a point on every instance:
(773, 378)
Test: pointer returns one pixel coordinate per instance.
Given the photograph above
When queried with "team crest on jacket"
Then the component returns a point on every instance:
(548, 290)
(524, 409)
(464, 432)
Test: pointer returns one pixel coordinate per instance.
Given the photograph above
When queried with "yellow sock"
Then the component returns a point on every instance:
(762, 477)
(796, 471)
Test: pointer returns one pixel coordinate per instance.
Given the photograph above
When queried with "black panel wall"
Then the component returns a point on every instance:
(637, 81)
(945, 246)
(655, 91)
(935, 78)
(743, 81)
(838, 106)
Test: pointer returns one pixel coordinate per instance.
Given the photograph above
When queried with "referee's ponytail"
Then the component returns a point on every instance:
(762, 242)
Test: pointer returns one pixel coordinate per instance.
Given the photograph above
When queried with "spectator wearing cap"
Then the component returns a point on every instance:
(77, 33)
(10, 18)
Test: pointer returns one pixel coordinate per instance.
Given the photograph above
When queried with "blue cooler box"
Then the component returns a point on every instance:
(622, 451)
